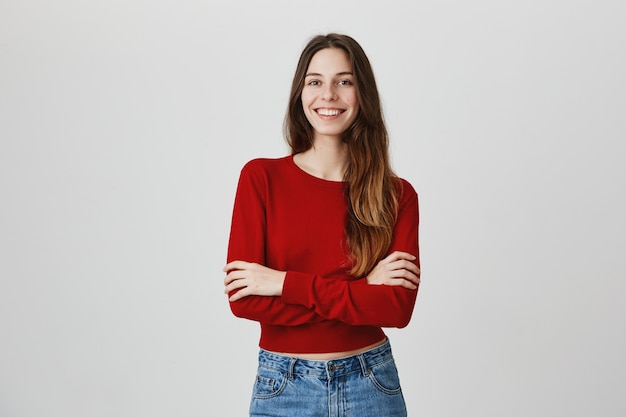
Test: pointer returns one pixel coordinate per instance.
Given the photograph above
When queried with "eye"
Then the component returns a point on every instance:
(314, 83)
(345, 82)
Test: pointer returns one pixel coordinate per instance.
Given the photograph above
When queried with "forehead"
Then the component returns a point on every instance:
(330, 61)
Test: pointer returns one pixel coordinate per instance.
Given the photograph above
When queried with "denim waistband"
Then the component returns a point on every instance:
(361, 362)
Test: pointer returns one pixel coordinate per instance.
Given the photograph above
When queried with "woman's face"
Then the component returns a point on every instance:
(329, 95)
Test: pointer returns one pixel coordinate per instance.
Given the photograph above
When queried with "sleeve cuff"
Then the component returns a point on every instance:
(297, 288)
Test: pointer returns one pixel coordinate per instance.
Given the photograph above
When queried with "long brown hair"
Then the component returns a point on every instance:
(371, 186)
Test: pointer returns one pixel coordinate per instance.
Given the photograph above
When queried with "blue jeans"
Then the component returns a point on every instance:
(363, 385)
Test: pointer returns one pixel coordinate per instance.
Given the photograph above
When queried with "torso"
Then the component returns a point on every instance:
(332, 355)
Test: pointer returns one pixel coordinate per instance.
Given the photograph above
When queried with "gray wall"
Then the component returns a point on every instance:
(123, 126)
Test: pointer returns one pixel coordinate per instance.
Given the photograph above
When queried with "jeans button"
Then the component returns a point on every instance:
(332, 367)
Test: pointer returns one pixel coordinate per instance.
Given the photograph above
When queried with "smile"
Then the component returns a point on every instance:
(329, 112)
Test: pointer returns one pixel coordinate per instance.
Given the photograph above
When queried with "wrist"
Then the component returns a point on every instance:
(280, 282)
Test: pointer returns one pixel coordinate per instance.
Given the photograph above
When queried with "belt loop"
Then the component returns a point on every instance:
(364, 369)
(292, 365)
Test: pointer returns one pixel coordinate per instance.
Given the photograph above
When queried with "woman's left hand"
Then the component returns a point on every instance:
(252, 279)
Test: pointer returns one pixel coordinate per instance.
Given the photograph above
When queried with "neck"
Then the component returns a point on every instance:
(327, 159)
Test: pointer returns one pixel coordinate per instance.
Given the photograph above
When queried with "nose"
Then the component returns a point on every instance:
(329, 92)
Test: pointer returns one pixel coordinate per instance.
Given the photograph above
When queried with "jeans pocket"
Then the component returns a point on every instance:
(269, 383)
(385, 378)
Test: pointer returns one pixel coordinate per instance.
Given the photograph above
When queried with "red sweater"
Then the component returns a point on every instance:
(289, 220)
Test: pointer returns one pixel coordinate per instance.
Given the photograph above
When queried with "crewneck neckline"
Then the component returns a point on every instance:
(312, 178)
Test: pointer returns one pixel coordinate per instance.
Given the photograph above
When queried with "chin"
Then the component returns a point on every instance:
(331, 132)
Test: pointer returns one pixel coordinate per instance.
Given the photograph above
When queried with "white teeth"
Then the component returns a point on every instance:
(328, 112)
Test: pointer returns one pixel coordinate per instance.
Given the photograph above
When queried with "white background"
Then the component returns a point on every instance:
(124, 125)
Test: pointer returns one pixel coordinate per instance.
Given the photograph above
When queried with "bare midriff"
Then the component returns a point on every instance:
(332, 355)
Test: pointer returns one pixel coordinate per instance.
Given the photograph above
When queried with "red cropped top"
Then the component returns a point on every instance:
(289, 220)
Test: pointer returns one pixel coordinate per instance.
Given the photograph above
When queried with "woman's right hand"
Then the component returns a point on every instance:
(396, 269)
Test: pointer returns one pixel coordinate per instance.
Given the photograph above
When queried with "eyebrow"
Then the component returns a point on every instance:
(315, 74)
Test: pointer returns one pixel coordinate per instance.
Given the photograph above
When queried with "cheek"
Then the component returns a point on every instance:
(354, 103)
(306, 103)
(306, 99)
(356, 108)
(352, 100)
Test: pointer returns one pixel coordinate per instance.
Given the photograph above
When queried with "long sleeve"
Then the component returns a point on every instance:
(354, 302)
(248, 239)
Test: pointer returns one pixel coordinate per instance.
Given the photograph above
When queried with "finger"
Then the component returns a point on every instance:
(400, 267)
(406, 275)
(234, 275)
(235, 285)
(401, 282)
(238, 295)
(237, 274)
(404, 264)
(236, 265)
(404, 282)
(398, 255)
(404, 255)
(410, 285)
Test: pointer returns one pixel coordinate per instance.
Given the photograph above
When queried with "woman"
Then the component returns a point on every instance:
(323, 249)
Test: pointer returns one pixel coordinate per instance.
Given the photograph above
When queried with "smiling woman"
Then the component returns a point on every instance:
(323, 248)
